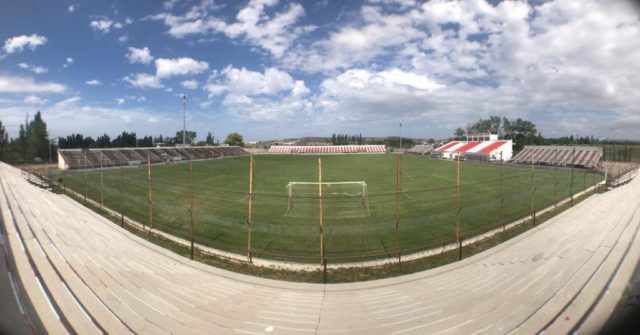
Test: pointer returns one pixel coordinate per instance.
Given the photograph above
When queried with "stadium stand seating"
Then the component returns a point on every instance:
(421, 149)
(93, 158)
(588, 157)
(85, 275)
(327, 149)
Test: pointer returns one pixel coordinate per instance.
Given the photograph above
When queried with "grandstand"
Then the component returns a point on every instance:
(327, 149)
(421, 149)
(588, 157)
(482, 150)
(93, 158)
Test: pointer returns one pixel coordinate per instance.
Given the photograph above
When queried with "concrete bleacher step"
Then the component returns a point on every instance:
(128, 284)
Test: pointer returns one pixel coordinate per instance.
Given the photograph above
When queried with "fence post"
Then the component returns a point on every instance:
(321, 210)
(85, 179)
(533, 193)
(555, 179)
(191, 204)
(458, 239)
(101, 183)
(324, 270)
(250, 209)
(593, 182)
(501, 194)
(150, 200)
(398, 208)
(121, 196)
(573, 156)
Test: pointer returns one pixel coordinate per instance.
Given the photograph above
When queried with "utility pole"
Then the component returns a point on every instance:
(184, 118)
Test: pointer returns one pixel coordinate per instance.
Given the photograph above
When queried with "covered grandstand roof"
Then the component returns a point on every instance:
(327, 149)
(474, 147)
(560, 155)
(421, 149)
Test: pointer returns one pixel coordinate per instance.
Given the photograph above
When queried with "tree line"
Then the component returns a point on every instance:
(522, 132)
(344, 139)
(34, 145)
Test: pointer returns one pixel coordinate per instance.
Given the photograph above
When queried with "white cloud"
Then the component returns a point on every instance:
(274, 33)
(190, 84)
(93, 120)
(144, 80)
(34, 100)
(104, 25)
(10, 84)
(67, 62)
(137, 55)
(140, 98)
(33, 68)
(259, 96)
(215, 89)
(245, 82)
(68, 102)
(71, 8)
(359, 95)
(93, 82)
(120, 101)
(353, 45)
(19, 43)
(166, 68)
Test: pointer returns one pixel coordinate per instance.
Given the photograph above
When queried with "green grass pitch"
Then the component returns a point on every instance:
(427, 201)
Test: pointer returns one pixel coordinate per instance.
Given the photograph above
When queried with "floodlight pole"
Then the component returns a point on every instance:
(250, 209)
(184, 119)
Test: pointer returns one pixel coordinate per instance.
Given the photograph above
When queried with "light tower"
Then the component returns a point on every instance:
(184, 119)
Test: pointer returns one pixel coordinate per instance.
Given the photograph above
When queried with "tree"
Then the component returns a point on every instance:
(145, 142)
(234, 139)
(459, 133)
(190, 136)
(4, 143)
(124, 140)
(38, 138)
(103, 141)
(210, 139)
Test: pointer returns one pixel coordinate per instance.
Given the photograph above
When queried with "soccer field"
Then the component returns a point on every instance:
(354, 226)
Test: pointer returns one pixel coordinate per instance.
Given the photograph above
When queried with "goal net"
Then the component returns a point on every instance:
(346, 199)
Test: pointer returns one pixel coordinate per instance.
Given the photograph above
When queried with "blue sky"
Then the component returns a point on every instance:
(272, 69)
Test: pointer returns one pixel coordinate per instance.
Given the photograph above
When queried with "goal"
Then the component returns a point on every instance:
(345, 199)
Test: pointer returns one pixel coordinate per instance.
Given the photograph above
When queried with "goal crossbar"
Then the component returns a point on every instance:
(361, 192)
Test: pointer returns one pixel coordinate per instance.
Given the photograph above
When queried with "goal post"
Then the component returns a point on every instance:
(346, 198)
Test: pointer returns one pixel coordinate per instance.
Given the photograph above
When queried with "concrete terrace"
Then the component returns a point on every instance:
(80, 273)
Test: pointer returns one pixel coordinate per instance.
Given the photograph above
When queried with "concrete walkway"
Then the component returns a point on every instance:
(84, 274)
